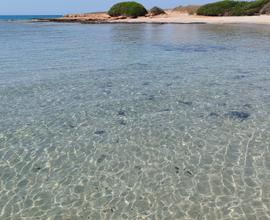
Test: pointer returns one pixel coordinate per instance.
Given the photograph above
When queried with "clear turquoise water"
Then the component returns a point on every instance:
(25, 17)
(134, 121)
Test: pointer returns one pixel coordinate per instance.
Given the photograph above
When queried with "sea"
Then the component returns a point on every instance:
(25, 17)
(134, 121)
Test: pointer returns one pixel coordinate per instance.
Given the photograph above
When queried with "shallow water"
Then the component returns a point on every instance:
(134, 121)
(18, 18)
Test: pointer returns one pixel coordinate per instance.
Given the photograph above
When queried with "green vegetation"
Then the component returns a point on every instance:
(232, 8)
(129, 9)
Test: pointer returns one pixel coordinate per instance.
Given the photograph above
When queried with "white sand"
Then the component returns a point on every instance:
(185, 18)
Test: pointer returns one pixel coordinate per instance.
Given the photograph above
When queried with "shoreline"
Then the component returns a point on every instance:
(115, 22)
(169, 18)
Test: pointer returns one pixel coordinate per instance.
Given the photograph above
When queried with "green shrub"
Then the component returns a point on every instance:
(232, 8)
(254, 7)
(129, 9)
(217, 8)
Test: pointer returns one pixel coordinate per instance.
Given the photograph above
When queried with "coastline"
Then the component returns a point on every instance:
(169, 17)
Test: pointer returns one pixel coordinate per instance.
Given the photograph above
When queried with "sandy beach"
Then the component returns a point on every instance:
(169, 17)
(185, 18)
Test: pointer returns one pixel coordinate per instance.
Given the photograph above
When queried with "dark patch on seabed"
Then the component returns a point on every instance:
(213, 114)
(188, 103)
(87, 131)
(238, 115)
(99, 132)
(121, 113)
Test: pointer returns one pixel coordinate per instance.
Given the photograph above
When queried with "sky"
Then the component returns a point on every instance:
(60, 7)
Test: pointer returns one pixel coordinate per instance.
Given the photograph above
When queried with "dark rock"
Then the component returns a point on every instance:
(137, 167)
(77, 97)
(146, 83)
(214, 84)
(116, 141)
(213, 114)
(121, 113)
(71, 125)
(101, 158)
(185, 103)
(36, 169)
(109, 85)
(122, 122)
(156, 11)
(222, 104)
(106, 85)
(107, 91)
(151, 98)
(166, 110)
(188, 172)
(237, 115)
(99, 132)
(248, 105)
(239, 77)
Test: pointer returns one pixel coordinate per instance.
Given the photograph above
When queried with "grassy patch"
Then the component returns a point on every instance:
(190, 9)
(232, 8)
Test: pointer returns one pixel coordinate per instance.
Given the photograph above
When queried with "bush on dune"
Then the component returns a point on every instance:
(232, 8)
(129, 9)
(255, 7)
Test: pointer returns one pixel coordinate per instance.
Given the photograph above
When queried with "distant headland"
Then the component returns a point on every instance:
(222, 12)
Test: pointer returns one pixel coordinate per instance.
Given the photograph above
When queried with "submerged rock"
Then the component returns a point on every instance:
(99, 132)
(239, 77)
(137, 167)
(248, 106)
(101, 158)
(72, 125)
(151, 98)
(122, 122)
(146, 83)
(237, 115)
(213, 114)
(165, 110)
(185, 103)
(36, 169)
(121, 113)
(188, 172)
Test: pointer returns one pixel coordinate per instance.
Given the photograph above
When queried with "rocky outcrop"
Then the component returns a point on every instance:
(265, 9)
(156, 11)
(91, 18)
